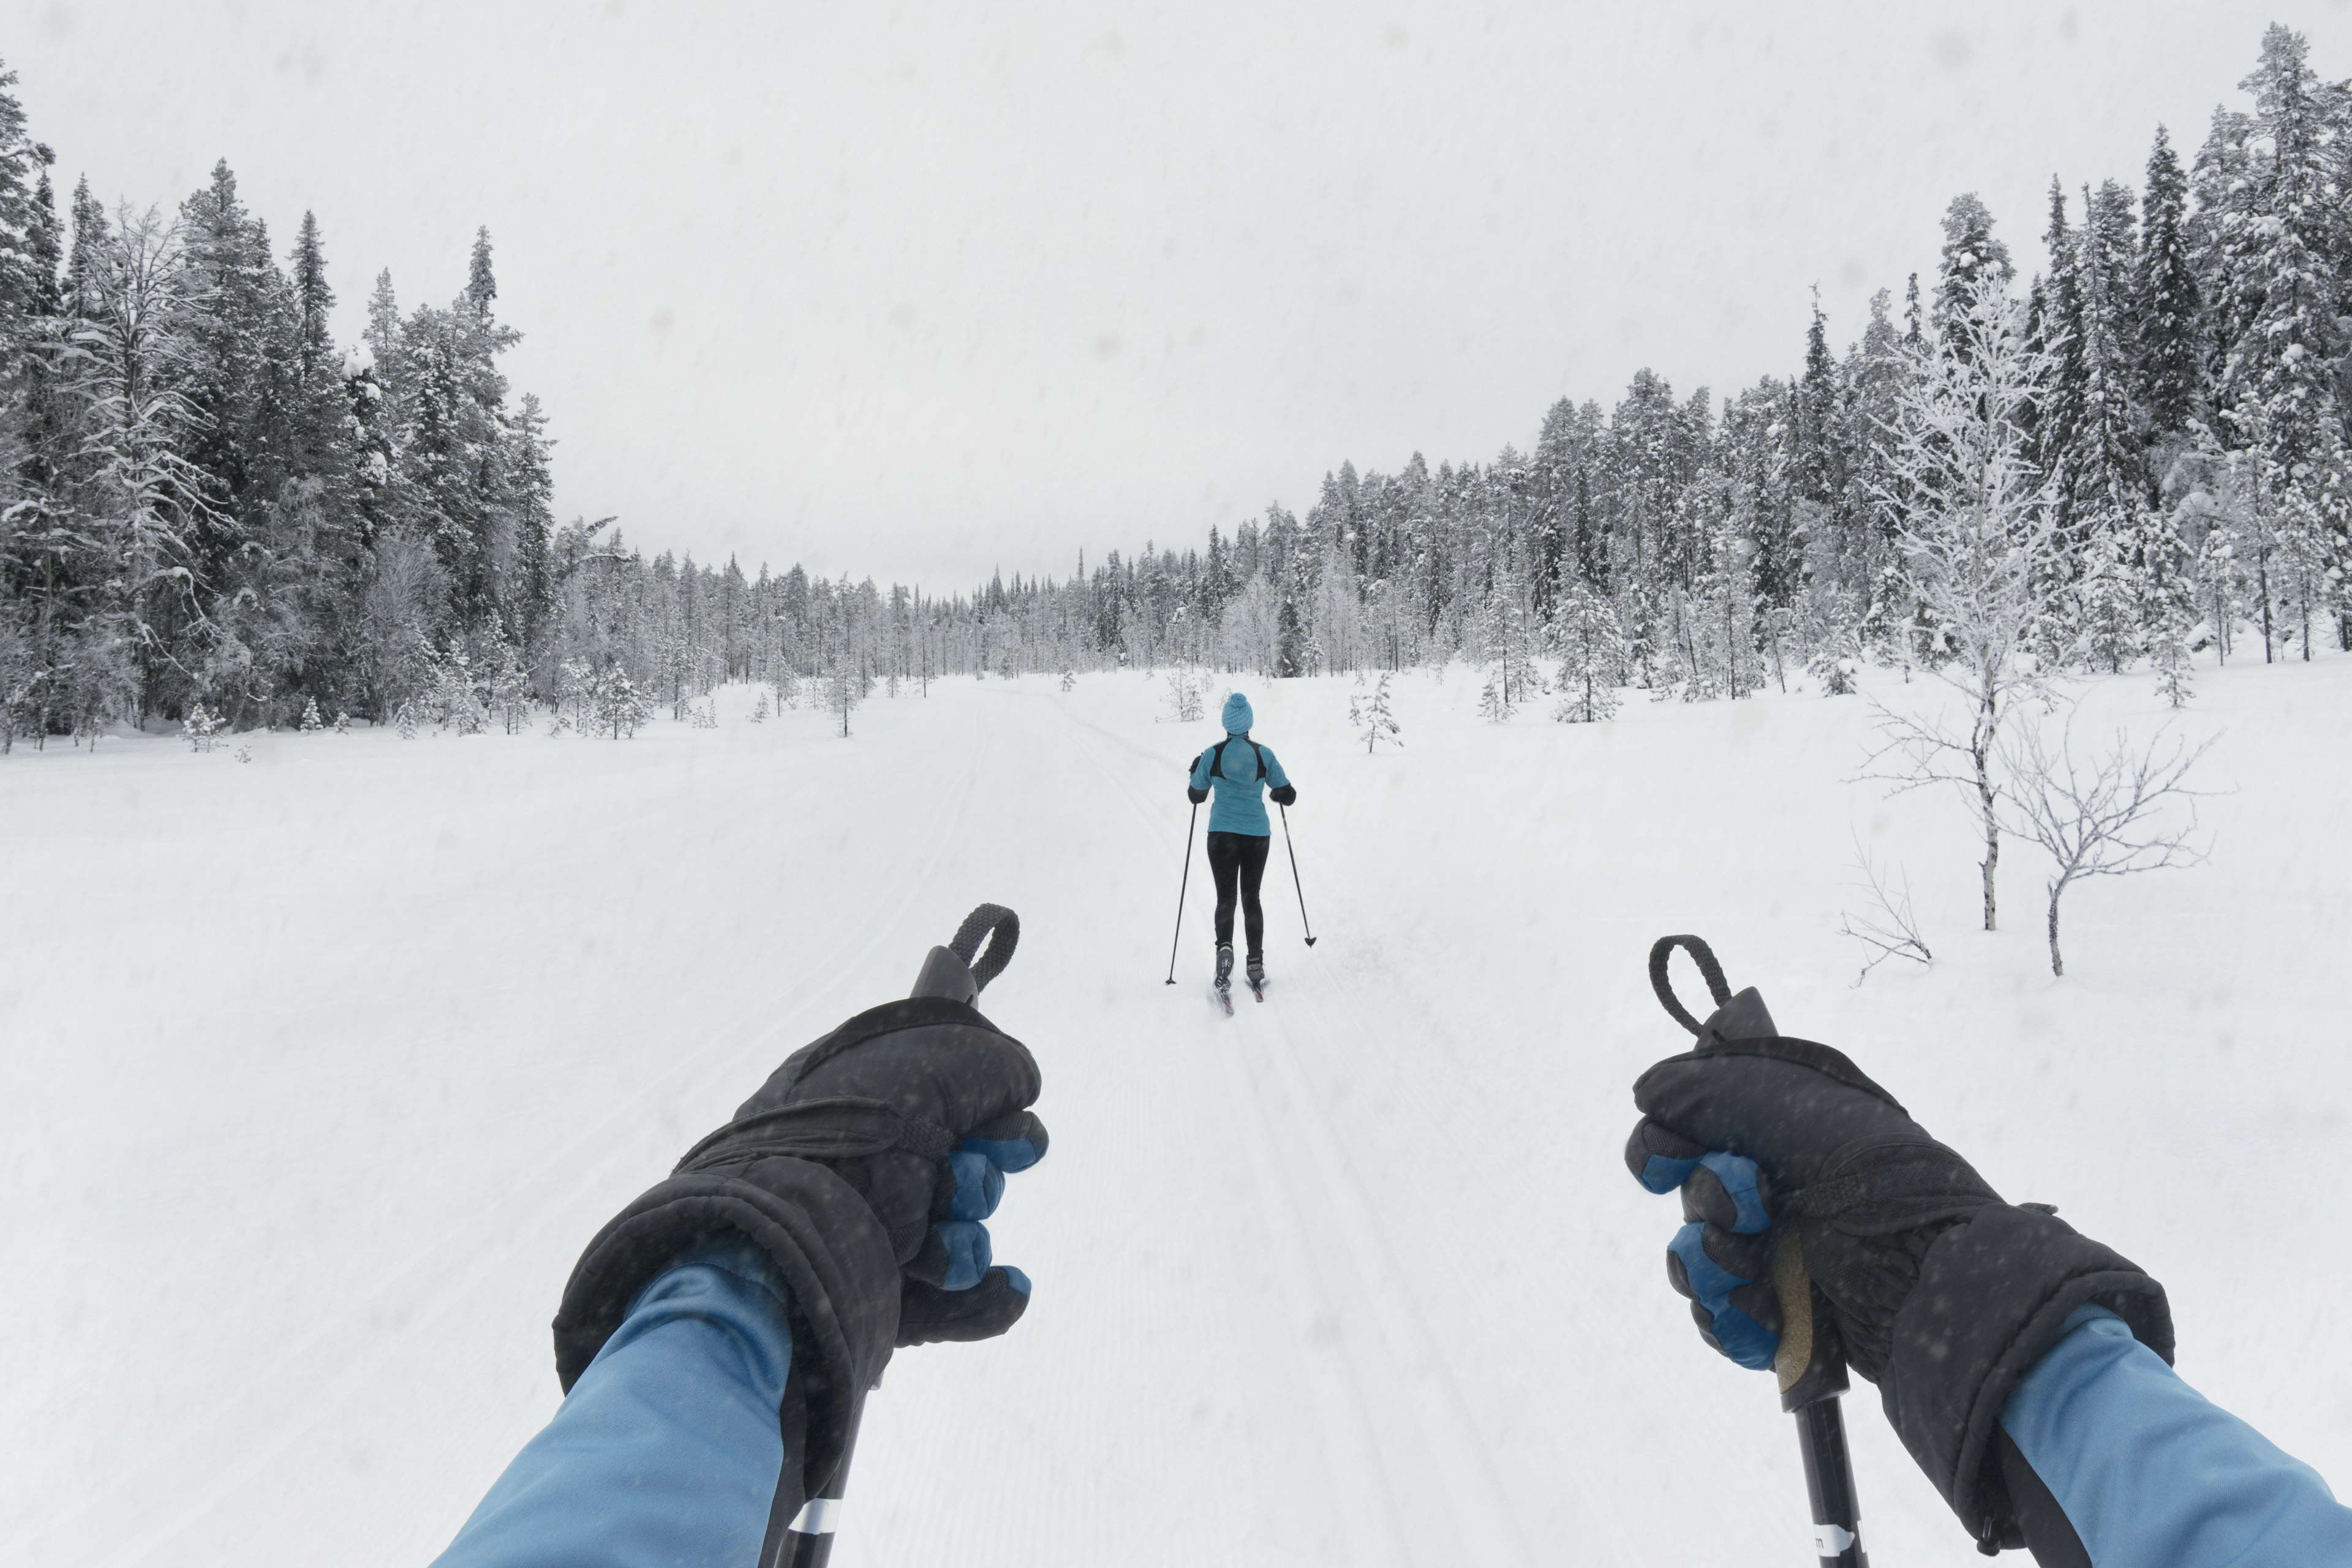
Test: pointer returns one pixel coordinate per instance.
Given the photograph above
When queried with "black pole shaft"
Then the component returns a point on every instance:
(1294, 874)
(809, 1541)
(1181, 888)
(1829, 1485)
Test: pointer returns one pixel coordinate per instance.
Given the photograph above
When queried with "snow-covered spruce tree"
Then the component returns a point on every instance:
(119, 366)
(760, 713)
(510, 691)
(1369, 715)
(1070, 679)
(1584, 634)
(844, 688)
(201, 728)
(1836, 640)
(1975, 530)
(621, 708)
(2266, 188)
(1509, 638)
(311, 723)
(2169, 315)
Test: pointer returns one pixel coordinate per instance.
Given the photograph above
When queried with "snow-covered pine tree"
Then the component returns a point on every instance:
(1584, 633)
(510, 691)
(2169, 315)
(844, 688)
(1369, 714)
(2168, 655)
(311, 723)
(2266, 193)
(621, 708)
(760, 713)
(1070, 679)
(201, 728)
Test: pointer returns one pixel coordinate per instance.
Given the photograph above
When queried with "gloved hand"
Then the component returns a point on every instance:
(1943, 1294)
(1195, 795)
(863, 1167)
(1285, 795)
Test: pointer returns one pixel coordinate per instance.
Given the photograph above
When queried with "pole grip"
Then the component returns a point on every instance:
(1810, 1367)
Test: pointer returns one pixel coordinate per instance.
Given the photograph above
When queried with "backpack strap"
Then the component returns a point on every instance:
(1217, 755)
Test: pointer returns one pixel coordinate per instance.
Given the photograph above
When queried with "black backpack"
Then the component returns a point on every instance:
(1217, 752)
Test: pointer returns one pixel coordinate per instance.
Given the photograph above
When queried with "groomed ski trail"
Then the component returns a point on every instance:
(1410, 1472)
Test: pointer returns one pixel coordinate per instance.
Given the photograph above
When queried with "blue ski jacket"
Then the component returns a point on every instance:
(1231, 770)
(666, 1449)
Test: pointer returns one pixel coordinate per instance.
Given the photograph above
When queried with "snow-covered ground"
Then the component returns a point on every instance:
(319, 1070)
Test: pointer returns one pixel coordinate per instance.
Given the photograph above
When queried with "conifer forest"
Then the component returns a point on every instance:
(2137, 418)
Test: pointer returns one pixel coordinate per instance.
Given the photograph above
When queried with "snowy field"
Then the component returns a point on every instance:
(320, 1069)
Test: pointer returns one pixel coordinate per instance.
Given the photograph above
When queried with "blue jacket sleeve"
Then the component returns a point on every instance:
(667, 1448)
(1201, 768)
(2152, 1476)
(1274, 773)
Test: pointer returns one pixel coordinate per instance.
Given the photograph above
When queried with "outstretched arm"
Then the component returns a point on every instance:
(2150, 1475)
(669, 1447)
(1197, 787)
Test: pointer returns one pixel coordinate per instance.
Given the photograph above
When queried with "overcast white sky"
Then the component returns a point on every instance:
(918, 291)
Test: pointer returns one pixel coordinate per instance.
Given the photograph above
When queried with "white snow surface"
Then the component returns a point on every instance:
(319, 1071)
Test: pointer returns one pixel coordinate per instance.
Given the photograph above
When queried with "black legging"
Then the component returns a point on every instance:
(1240, 856)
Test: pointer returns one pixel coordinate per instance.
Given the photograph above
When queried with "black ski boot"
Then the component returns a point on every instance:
(1224, 966)
(1255, 975)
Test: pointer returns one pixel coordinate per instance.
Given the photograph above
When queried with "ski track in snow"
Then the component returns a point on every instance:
(301, 1139)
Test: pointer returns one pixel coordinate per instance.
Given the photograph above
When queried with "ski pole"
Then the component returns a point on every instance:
(1180, 887)
(957, 972)
(1810, 1366)
(809, 1536)
(1810, 1363)
(1293, 873)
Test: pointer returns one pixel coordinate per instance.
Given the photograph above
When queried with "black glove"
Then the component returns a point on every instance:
(1943, 1295)
(1285, 795)
(862, 1167)
(1195, 795)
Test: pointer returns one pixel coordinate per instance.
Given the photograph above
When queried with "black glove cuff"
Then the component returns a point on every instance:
(1994, 1295)
(833, 1254)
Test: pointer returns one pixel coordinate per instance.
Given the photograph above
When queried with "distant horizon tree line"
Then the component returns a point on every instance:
(205, 501)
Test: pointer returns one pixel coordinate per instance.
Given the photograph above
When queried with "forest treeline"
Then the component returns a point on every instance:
(206, 500)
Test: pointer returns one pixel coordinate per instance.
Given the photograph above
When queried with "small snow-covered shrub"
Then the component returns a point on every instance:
(1369, 713)
(311, 723)
(202, 729)
(1185, 690)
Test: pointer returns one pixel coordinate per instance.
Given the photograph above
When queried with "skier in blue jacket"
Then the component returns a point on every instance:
(1239, 770)
(2027, 1367)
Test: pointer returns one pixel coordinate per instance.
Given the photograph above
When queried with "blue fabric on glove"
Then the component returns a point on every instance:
(1738, 1334)
(2150, 1474)
(1743, 1339)
(667, 1450)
